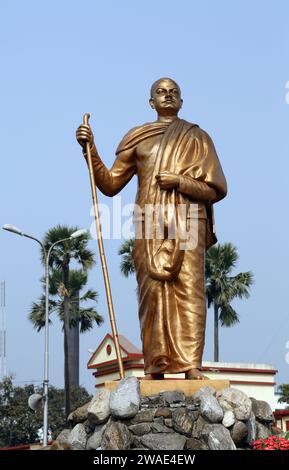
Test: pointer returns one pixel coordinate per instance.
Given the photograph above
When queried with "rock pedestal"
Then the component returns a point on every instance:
(168, 415)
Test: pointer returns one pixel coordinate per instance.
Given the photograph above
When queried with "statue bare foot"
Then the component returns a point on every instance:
(195, 374)
(153, 377)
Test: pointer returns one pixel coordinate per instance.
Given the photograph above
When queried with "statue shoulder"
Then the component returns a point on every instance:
(201, 134)
(137, 134)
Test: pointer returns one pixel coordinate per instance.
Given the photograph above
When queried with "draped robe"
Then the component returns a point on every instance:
(171, 284)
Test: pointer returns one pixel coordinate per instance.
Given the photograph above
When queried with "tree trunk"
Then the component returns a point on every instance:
(73, 345)
(216, 333)
(66, 342)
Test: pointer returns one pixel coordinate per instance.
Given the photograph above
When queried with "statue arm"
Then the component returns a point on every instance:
(197, 190)
(206, 181)
(110, 182)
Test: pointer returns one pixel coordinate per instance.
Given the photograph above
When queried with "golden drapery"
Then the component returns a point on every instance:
(171, 285)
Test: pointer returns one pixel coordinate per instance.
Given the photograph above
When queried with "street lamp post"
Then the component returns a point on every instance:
(78, 233)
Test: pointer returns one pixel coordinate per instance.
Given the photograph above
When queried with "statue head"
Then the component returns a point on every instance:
(166, 97)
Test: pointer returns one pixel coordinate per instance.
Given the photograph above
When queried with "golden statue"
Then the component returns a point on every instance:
(176, 165)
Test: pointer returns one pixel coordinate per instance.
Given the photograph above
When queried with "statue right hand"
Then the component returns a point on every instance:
(83, 135)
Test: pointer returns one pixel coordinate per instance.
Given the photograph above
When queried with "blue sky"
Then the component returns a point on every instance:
(62, 59)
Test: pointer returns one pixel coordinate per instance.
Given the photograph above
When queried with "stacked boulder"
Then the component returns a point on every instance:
(207, 420)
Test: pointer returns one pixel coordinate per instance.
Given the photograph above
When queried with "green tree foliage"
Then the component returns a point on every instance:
(125, 251)
(222, 288)
(284, 391)
(19, 424)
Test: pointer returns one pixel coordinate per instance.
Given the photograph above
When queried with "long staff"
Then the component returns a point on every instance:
(102, 255)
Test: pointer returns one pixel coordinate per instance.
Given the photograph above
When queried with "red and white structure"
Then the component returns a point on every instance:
(282, 419)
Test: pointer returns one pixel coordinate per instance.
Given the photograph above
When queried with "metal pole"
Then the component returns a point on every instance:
(102, 256)
(46, 342)
(46, 351)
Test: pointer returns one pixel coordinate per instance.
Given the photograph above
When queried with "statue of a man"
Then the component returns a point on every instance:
(176, 165)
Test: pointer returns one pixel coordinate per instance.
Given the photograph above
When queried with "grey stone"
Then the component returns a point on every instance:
(116, 437)
(262, 432)
(217, 437)
(196, 444)
(144, 400)
(251, 427)
(154, 399)
(239, 432)
(136, 443)
(204, 391)
(194, 406)
(168, 422)
(89, 426)
(64, 435)
(229, 419)
(183, 421)
(210, 408)
(140, 429)
(125, 400)
(78, 437)
(165, 412)
(79, 415)
(143, 416)
(199, 424)
(94, 440)
(159, 420)
(232, 399)
(262, 411)
(158, 427)
(98, 410)
(169, 398)
(191, 400)
(163, 441)
(176, 405)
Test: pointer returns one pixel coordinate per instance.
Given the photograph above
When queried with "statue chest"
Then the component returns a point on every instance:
(146, 154)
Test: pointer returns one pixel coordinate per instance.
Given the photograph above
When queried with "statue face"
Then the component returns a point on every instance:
(166, 98)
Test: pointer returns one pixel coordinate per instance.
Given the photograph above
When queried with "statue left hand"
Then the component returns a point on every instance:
(167, 180)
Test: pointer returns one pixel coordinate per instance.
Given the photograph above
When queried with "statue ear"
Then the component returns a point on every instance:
(182, 102)
(152, 103)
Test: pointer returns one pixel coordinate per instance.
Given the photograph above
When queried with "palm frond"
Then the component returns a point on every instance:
(89, 295)
(228, 316)
(127, 266)
(37, 313)
(221, 287)
(87, 317)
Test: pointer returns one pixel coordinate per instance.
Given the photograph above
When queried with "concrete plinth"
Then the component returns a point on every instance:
(153, 387)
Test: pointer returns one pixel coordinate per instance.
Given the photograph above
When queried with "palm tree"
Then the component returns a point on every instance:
(70, 250)
(283, 390)
(222, 288)
(127, 265)
(81, 319)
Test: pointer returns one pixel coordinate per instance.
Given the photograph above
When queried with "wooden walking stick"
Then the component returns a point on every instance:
(102, 255)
